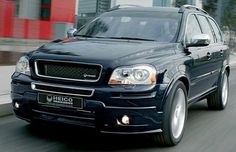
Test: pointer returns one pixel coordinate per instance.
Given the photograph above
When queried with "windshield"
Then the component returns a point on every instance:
(152, 26)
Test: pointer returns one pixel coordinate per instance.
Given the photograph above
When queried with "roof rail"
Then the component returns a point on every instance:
(192, 7)
(122, 6)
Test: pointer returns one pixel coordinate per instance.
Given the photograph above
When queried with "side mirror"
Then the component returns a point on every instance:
(71, 32)
(199, 40)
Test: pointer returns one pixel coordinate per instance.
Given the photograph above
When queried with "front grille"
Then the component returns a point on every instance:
(68, 70)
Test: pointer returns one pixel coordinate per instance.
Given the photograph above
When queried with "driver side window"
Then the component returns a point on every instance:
(192, 28)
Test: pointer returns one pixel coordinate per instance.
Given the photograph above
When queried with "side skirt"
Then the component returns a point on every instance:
(201, 96)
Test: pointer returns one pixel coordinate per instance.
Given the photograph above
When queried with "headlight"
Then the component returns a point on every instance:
(138, 74)
(22, 65)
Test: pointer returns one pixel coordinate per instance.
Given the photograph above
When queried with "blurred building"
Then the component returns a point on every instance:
(165, 3)
(146, 3)
(36, 19)
(88, 9)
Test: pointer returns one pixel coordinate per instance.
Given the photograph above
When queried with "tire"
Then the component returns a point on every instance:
(218, 99)
(174, 116)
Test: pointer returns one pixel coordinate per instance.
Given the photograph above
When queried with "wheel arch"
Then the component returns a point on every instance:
(179, 77)
(185, 82)
(227, 69)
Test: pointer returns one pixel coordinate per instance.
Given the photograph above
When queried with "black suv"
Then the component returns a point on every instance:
(132, 70)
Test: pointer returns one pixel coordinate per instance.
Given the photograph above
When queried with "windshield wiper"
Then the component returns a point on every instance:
(88, 36)
(130, 38)
(123, 38)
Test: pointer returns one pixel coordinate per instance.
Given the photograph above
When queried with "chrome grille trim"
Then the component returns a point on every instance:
(60, 78)
(34, 87)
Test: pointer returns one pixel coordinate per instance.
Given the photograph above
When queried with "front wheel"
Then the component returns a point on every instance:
(218, 99)
(174, 116)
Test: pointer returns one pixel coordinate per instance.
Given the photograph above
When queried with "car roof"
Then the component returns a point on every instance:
(182, 9)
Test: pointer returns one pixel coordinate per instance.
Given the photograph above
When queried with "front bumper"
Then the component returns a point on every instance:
(103, 111)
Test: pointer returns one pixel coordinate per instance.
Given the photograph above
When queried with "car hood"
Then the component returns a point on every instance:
(103, 51)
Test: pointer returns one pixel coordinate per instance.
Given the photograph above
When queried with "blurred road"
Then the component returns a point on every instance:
(5, 79)
(206, 131)
(20, 45)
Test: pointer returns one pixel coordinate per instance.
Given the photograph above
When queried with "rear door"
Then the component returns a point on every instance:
(220, 48)
(203, 68)
(214, 49)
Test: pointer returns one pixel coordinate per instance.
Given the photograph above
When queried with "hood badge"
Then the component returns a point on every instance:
(89, 75)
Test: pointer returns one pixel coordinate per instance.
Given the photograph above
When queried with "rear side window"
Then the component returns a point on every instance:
(206, 27)
(192, 29)
(216, 30)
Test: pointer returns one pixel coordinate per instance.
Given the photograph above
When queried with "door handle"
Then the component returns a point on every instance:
(209, 55)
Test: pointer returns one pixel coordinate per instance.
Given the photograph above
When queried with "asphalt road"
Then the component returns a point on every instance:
(206, 131)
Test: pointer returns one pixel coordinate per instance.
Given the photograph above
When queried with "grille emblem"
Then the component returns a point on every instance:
(89, 76)
(49, 98)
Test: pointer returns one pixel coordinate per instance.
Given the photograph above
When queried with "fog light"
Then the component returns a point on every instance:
(33, 86)
(17, 105)
(125, 120)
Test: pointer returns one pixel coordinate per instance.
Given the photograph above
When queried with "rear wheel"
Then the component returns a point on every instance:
(174, 116)
(218, 100)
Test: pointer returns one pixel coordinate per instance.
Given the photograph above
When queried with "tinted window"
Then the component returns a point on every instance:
(193, 28)
(158, 26)
(206, 27)
(216, 30)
